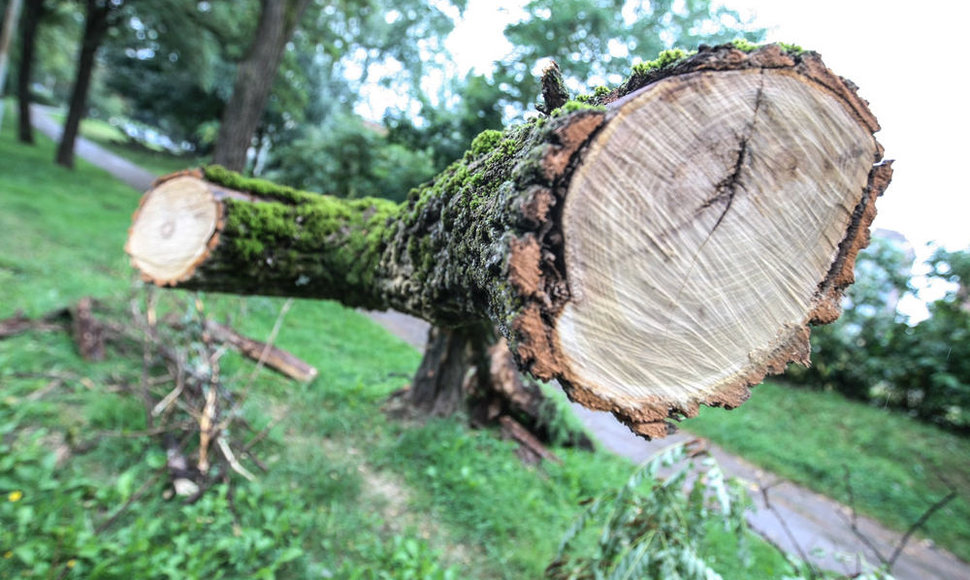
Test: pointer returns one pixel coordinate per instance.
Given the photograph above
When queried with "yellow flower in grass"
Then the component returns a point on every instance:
(71, 563)
(7, 555)
(15, 495)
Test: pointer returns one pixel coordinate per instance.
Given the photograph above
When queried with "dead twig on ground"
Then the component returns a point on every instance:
(889, 562)
(270, 341)
(263, 433)
(854, 519)
(231, 458)
(188, 407)
(20, 323)
(812, 570)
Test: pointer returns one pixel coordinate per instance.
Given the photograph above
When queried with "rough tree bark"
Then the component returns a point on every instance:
(662, 247)
(470, 370)
(254, 79)
(10, 18)
(25, 71)
(96, 24)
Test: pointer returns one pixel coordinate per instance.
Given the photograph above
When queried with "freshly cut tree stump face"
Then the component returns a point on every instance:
(704, 218)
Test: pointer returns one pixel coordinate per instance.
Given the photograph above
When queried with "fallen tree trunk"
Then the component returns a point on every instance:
(657, 248)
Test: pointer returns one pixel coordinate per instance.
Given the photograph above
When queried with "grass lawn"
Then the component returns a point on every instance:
(348, 494)
(62, 232)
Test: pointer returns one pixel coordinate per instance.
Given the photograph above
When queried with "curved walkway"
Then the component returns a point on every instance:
(124, 170)
(820, 525)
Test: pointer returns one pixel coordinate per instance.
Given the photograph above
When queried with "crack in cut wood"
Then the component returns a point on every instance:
(728, 187)
(730, 184)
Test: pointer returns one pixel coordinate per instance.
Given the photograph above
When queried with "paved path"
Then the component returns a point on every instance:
(121, 168)
(819, 524)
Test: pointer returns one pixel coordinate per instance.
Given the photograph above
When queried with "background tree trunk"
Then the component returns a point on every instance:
(664, 247)
(25, 72)
(11, 16)
(440, 386)
(254, 81)
(95, 27)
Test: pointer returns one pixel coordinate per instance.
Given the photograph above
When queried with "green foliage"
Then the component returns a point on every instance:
(171, 62)
(109, 136)
(651, 527)
(846, 354)
(938, 385)
(594, 41)
(597, 41)
(897, 465)
(350, 158)
(872, 353)
(58, 522)
(446, 131)
(55, 49)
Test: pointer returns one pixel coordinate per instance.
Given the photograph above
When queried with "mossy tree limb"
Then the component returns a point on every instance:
(661, 246)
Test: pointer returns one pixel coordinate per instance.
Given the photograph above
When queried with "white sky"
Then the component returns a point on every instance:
(907, 60)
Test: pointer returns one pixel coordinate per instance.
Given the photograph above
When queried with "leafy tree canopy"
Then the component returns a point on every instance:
(598, 41)
(595, 41)
(173, 60)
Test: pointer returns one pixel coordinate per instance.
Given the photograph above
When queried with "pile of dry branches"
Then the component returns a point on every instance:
(190, 408)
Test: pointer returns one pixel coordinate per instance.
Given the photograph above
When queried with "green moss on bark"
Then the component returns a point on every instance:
(437, 255)
(574, 106)
(260, 187)
(792, 49)
(279, 240)
(484, 142)
(744, 45)
(663, 60)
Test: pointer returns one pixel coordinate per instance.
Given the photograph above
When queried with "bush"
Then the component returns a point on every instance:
(873, 352)
(348, 158)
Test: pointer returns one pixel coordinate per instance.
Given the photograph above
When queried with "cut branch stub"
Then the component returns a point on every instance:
(177, 224)
(665, 251)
